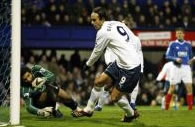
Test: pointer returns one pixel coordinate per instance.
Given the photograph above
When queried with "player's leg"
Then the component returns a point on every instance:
(189, 96)
(133, 96)
(175, 78)
(104, 95)
(67, 100)
(59, 95)
(43, 101)
(187, 79)
(96, 91)
(169, 96)
(165, 91)
(95, 94)
(122, 101)
(98, 85)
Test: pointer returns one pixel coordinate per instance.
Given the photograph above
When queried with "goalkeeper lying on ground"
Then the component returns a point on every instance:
(40, 92)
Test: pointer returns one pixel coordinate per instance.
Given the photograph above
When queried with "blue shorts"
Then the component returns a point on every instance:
(125, 80)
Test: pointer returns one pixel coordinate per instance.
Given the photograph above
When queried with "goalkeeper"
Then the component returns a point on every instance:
(40, 92)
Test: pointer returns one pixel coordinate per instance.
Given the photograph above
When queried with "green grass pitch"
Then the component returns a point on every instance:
(110, 117)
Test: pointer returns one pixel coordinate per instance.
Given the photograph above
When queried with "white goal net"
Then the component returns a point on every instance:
(5, 59)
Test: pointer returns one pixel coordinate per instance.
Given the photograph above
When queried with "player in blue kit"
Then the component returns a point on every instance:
(180, 52)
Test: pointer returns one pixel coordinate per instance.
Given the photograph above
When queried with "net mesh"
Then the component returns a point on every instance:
(5, 39)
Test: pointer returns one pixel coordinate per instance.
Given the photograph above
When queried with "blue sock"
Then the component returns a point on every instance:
(133, 106)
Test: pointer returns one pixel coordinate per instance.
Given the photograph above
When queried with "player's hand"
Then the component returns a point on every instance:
(43, 113)
(48, 109)
(26, 95)
(179, 60)
(191, 61)
(85, 68)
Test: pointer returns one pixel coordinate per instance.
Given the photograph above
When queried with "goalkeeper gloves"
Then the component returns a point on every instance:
(45, 112)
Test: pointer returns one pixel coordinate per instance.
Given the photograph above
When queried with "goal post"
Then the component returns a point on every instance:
(15, 62)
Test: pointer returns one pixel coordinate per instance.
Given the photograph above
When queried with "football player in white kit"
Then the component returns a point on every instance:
(124, 73)
(109, 58)
(165, 75)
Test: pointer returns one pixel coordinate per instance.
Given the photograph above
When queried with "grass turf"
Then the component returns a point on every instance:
(110, 117)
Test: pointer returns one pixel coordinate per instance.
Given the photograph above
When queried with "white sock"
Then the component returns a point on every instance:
(102, 98)
(57, 106)
(123, 103)
(163, 103)
(134, 94)
(95, 94)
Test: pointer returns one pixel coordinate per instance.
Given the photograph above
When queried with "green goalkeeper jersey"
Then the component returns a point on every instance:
(28, 92)
(41, 72)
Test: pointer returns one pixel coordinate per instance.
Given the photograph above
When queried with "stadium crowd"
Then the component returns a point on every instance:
(168, 14)
(70, 77)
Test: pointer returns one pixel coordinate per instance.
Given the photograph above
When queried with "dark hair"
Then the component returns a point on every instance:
(24, 69)
(101, 12)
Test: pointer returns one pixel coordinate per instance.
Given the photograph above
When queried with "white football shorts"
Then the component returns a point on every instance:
(182, 73)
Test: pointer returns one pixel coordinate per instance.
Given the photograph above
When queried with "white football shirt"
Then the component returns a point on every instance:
(110, 57)
(120, 39)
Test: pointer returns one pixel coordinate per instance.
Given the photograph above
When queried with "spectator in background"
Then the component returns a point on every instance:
(113, 5)
(75, 59)
(103, 3)
(31, 61)
(23, 16)
(186, 8)
(43, 61)
(116, 10)
(52, 12)
(175, 21)
(76, 73)
(157, 23)
(66, 19)
(57, 20)
(175, 9)
(168, 23)
(62, 76)
(63, 61)
(90, 5)
(185, 22)
(137, 13)
(125, 8)
(53, 66)
(142, 21)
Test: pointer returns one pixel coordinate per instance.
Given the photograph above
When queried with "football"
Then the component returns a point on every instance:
(38, 82)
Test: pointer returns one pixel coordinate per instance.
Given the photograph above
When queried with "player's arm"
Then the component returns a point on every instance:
(191, 61)
(29, 106)
(39, 71)
(140, 53)
(25, 93)
(101, 43)
(170, 55)
(191, 58)
(45, 112)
